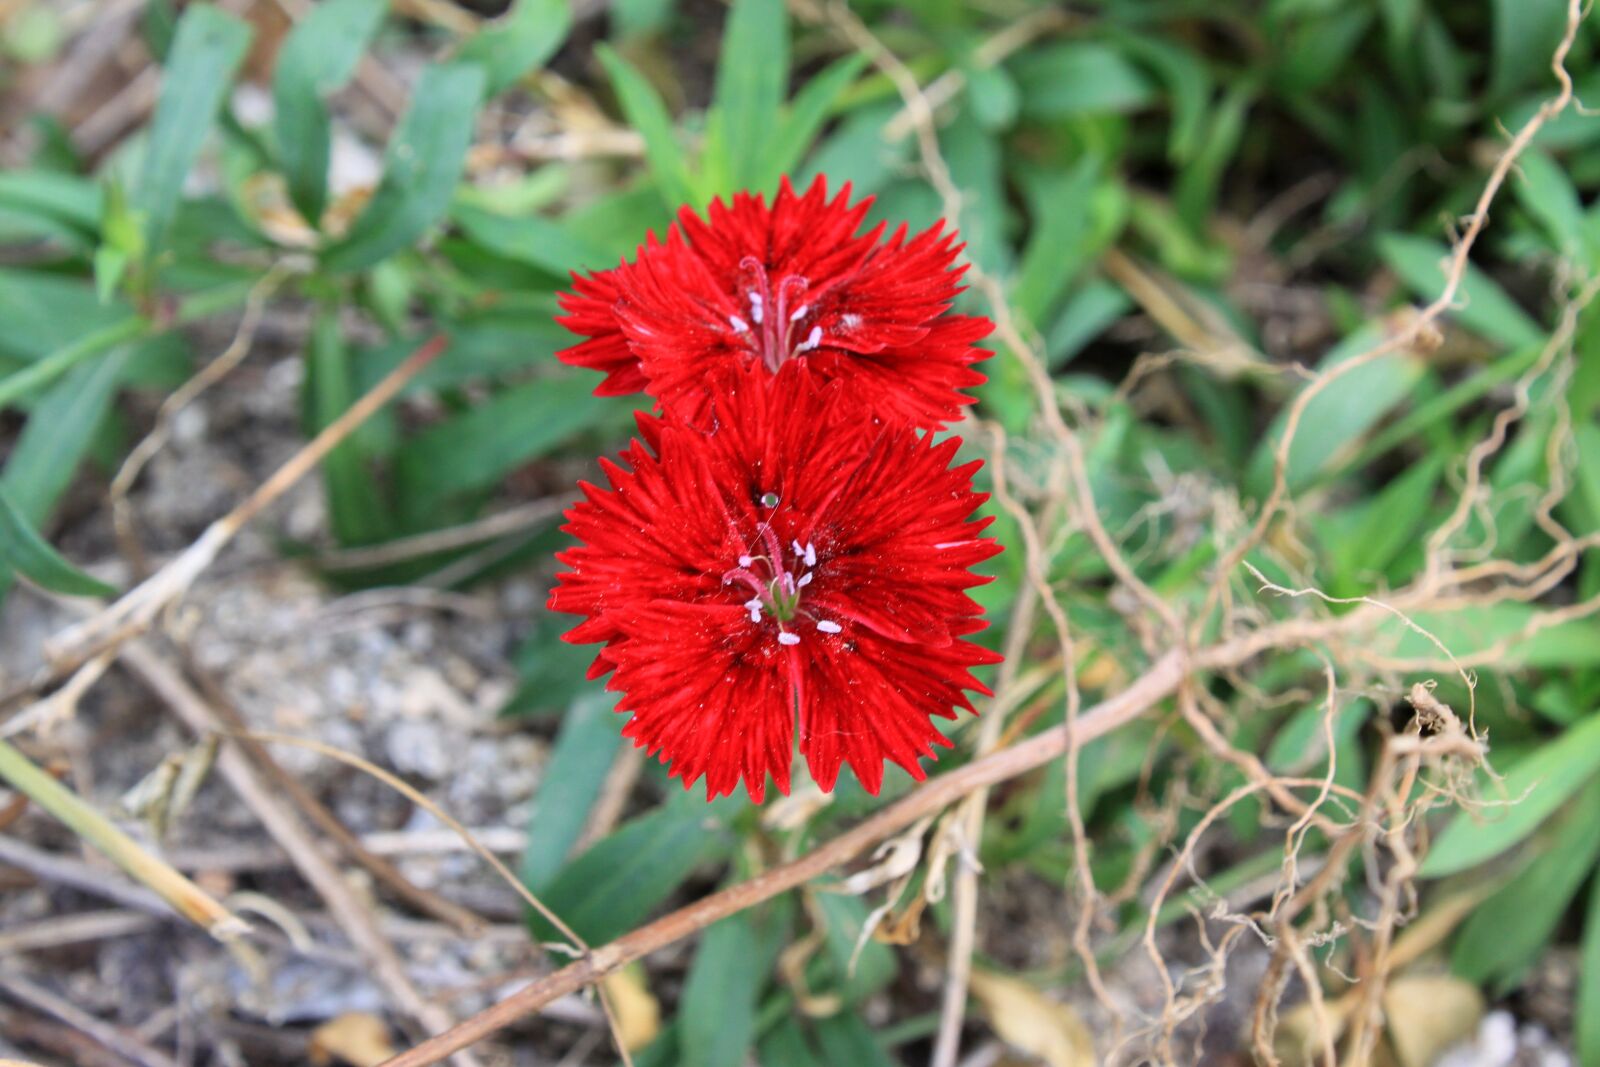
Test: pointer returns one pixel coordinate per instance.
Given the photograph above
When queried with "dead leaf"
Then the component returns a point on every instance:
(1027, 1019)
(1427, 1014)
(638, 1013)
(357, 1039)
(904, 926)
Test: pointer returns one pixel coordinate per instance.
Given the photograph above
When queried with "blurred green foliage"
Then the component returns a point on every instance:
(1285, 172)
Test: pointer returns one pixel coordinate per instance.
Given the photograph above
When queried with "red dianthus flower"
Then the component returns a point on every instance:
(794, 283)
(797, 559)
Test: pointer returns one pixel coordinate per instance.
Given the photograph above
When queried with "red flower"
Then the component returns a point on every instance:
(797, 559)
(794, 283)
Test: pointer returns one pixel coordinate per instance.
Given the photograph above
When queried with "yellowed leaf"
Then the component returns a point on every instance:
(356, 1039)
(1427, 1014)
(637, 1011)
(1032, 1022)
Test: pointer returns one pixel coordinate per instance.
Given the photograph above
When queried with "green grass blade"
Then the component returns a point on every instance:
(317, 58)
(208, 48)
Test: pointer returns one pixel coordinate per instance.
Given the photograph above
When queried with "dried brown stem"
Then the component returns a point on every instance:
(23, 989)
(1156, 684)
(138, 608)
(385, 872)
(261, 795)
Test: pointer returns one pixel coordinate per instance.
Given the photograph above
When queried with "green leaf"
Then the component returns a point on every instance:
(95, 343)
(857, 153)
(717, 1015)
(425, 159)
(1586, 500)
(1502, 628)
(1086, 314)
(642, 107)
(1525, 36)
(69, 205)
(785, 1046)
(474, 450)
(1539, 784)
(977, 167)
(752, 77)
(1062, 80)
(550, 671)
(58, 434)
(1588, 1005)
(1363, 542)
(613, 886)
(1200, 179)
(517, 42)
(1189, 89)
(635, 18)
(1061, 242)
(318, 58)
(486, 346)
(1339, 414)
(1301, 746)
(536, 241)
(842, 919)
(1483, 307)
(846, 1039)
(354, 505)
(804, 120)
(31, 556)
(1508, 931)
(208, 48)
(1546, 192)
(1315, 50)
(44, 312)
(574, 775)
(994, 97)
(1444, 404)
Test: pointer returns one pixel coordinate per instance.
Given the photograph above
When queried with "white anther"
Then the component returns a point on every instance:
(805, 580)
(851, 321)
(800, 312)
(753, 606)
(745, 561)
(812, 340)
(739, 325)
(828, 627)
(756, 308)
(810, 554)
(797, 549)
(787, 638)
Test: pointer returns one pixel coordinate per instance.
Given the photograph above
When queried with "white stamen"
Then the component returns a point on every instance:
(800, 312)
(828, 627)
(810, 554)
(851, 321)
(745, 561)
(753, 606)
(787, 638)
(805, 580)
(797, 549)
(756, 308)
(812, 340)
(738, 324)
